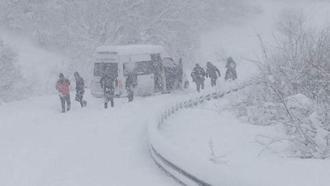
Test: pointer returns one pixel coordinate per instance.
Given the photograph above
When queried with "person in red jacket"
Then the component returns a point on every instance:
(63, 88)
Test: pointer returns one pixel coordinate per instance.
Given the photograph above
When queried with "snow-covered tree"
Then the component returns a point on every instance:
(76, 27)
(10, 76)
(298, 68)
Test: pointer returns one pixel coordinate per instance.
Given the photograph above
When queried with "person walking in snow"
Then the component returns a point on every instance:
(231, 69)
(108, 84)
(63, 88)
(179, 74)
(213, 73)
(80, 89)
(131, 82)
(198, 76)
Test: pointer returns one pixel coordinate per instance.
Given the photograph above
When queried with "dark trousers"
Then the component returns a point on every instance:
(130, 94)
(79, 97)
(213, 82)
(186, 84)
(111, 102)
(108, 97)
(199, 85)
(65, 99)
(231, 74)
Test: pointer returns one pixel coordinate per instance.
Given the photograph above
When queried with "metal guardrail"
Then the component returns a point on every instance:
(162, 162)
(170, 167)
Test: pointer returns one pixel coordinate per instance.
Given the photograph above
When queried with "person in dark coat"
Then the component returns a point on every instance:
(213, 73)
(231, 69)
(198, 76)
(170, 74)
(131, 82)
(80, 89)
(63, 88)
(108, 84)
(159, 73)
(179, 74)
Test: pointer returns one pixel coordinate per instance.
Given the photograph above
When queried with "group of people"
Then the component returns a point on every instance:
(198, 74)
(63, 88)
(108, 83)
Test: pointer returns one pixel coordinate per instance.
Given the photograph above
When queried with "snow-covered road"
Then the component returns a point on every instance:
(41, 147)
(95, 147)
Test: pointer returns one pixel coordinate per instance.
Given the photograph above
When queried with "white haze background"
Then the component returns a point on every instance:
(93, 146)
(235, 35)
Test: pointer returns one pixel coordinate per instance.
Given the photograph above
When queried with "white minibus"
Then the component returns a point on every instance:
(145, 61)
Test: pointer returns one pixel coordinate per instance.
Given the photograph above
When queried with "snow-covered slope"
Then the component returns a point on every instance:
(238, 153)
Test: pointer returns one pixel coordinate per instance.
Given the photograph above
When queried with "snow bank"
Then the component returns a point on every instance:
(177, 162)
(238, 153)
(299, 101)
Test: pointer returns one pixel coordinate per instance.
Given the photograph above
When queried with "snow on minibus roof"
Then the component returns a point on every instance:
(133, 49)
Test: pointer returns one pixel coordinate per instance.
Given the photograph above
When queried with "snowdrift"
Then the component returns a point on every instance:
(174, 161)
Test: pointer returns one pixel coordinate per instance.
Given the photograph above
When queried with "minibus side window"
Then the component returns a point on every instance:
(138, 68)
(100, 69)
